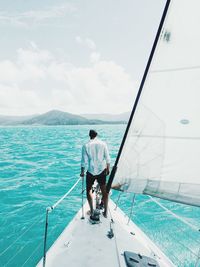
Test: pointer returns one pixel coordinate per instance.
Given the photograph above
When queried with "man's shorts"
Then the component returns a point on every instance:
(101, 179)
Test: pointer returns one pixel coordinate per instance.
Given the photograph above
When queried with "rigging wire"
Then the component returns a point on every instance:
(36, 249)
(195, 240)
(175, 215)
(41, 217)
(32, 253)
(165, 247)
(10, 260)
(39, 220)
(177, 227)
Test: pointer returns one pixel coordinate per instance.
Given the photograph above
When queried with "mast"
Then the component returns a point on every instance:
(114, 169)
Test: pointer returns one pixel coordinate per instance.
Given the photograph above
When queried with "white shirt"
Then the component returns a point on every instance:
(95, 155)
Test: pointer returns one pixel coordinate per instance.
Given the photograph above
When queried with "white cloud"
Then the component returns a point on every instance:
(86, 42)
(94, 57)
(37, 82)
(30, 17)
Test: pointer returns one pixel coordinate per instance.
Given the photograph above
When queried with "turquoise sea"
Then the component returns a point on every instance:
(39, 164)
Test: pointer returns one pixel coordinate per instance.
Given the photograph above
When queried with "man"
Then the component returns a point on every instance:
(96, 156)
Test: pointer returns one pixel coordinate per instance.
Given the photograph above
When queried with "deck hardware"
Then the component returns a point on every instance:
(136, 259)
(132, 259)
(111, 232)
(66, 244)
(82, 204)
(152, 264)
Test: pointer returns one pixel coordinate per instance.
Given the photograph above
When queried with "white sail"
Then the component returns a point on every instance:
(161, 154)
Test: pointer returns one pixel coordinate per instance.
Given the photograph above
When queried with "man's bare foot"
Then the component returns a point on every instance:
(104, 214)
(89, 212)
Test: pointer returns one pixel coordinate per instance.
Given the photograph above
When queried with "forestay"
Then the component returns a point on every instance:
(161, 153)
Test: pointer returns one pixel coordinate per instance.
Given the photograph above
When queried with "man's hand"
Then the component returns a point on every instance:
(82, 174)
(107, 169)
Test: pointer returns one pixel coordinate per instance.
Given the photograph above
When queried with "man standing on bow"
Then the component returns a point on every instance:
(96, 156)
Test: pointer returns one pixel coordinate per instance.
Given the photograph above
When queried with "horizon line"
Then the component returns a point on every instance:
(80, 114)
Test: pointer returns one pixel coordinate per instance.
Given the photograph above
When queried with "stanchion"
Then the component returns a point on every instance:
(82, 217)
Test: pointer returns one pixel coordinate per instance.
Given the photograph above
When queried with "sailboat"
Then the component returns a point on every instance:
(159, 154)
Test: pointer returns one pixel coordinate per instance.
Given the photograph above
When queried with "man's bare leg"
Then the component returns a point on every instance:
(90, 202)
(105, 199)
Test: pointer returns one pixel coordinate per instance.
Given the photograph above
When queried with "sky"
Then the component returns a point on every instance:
(76, 56)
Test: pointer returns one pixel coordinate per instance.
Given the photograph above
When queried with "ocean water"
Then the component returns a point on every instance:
(39, 164)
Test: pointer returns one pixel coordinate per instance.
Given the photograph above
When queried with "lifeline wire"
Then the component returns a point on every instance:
(21, 236)
(175, 215)
(35, 250)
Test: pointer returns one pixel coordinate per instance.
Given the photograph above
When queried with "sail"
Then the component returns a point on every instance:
(161, 152)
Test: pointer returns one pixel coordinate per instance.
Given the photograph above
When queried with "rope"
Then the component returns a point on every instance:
(175, 215)
(21, 236)
(63, 197)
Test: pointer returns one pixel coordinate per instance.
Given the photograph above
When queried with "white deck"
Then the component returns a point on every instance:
(85, 245)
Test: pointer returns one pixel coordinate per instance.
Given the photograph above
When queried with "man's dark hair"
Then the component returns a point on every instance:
(92, 134)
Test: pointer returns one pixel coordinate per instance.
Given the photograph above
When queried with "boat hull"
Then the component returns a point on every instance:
(85, 244)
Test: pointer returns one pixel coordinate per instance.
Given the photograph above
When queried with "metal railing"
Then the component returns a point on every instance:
(50, 209)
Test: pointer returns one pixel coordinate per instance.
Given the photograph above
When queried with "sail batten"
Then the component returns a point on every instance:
(161, 152)
(176, 69)
(169, 137)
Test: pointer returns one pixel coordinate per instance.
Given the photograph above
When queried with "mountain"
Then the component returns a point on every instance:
(108, 117)
(53, 117)
(56, 117)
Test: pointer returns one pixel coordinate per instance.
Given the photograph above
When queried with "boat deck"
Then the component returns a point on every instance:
(83, 244)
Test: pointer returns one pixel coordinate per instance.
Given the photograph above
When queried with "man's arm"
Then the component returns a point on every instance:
(83, 161)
